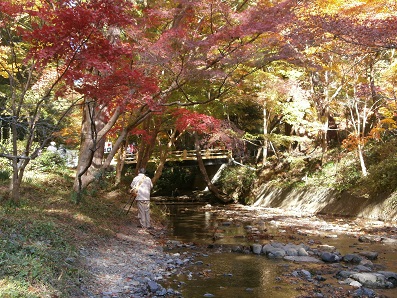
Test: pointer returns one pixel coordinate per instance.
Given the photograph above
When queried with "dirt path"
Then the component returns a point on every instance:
(128, 263)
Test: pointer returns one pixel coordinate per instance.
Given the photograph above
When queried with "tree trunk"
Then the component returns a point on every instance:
(160, 166)
(361, 136)
(120, 163)
(163, 157)
(265, 134)
(86, 155)
(361, 158)
(213, 189)
(146, 148)
(120, 145)
(217, 174)
(324, 140)
(93, 133)
(15, 184)
(258, 155)
(359, 128)
(19, 164)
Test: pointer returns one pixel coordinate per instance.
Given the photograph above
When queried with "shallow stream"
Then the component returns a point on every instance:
(210, 234)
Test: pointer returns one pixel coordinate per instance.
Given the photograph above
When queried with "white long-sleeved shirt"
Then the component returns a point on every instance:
(145, 186)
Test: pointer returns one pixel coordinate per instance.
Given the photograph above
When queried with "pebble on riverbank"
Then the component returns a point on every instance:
(361, 275)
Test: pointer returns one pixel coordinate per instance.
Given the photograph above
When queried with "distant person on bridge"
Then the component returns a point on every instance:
(144, 185)
(52, 147)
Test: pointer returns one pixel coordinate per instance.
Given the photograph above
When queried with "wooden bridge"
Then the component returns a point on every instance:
(188, 155)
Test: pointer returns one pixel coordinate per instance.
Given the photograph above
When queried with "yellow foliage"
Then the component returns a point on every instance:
(69, 135)
(362, 9)
(388, 113)
(11, 59)
(391, 71)
(388, 123)
(4, 66)
(383, 126)
(376, 133)
(388, 79)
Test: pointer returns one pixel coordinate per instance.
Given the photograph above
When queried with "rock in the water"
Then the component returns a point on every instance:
(364, 292)
(257, 248)
(329, 257)
(302, 259)
(372, 280)
(352, 258)
(370, 255)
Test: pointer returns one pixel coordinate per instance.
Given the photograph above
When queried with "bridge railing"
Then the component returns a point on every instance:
(181, 155)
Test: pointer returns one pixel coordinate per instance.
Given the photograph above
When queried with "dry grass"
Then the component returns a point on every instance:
(40, 238)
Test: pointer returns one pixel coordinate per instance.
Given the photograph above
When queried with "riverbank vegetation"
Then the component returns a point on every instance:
(41, 238)
(259, 79)
(338, 170)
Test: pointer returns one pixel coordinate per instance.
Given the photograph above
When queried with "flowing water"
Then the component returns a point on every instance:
(211, 232)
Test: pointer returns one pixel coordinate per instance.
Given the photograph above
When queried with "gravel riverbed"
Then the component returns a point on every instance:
(130, 263)
(134, 262)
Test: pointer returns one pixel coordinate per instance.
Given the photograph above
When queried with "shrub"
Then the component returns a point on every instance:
(382, 177)
(236, 181)
(348, 177)
(4, 175)
(377, 152)
(6, 169)
(48, 162)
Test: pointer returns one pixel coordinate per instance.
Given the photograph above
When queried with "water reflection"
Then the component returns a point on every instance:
(234, 275)
(224, 274)
(207, 216)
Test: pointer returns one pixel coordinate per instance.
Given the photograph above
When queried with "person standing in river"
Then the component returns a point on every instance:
(143, 184)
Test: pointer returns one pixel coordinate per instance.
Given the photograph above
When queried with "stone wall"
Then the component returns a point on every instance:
(322, 200)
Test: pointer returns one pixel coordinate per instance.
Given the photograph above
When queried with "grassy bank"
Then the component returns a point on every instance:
(337, 169)
(41, 237)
